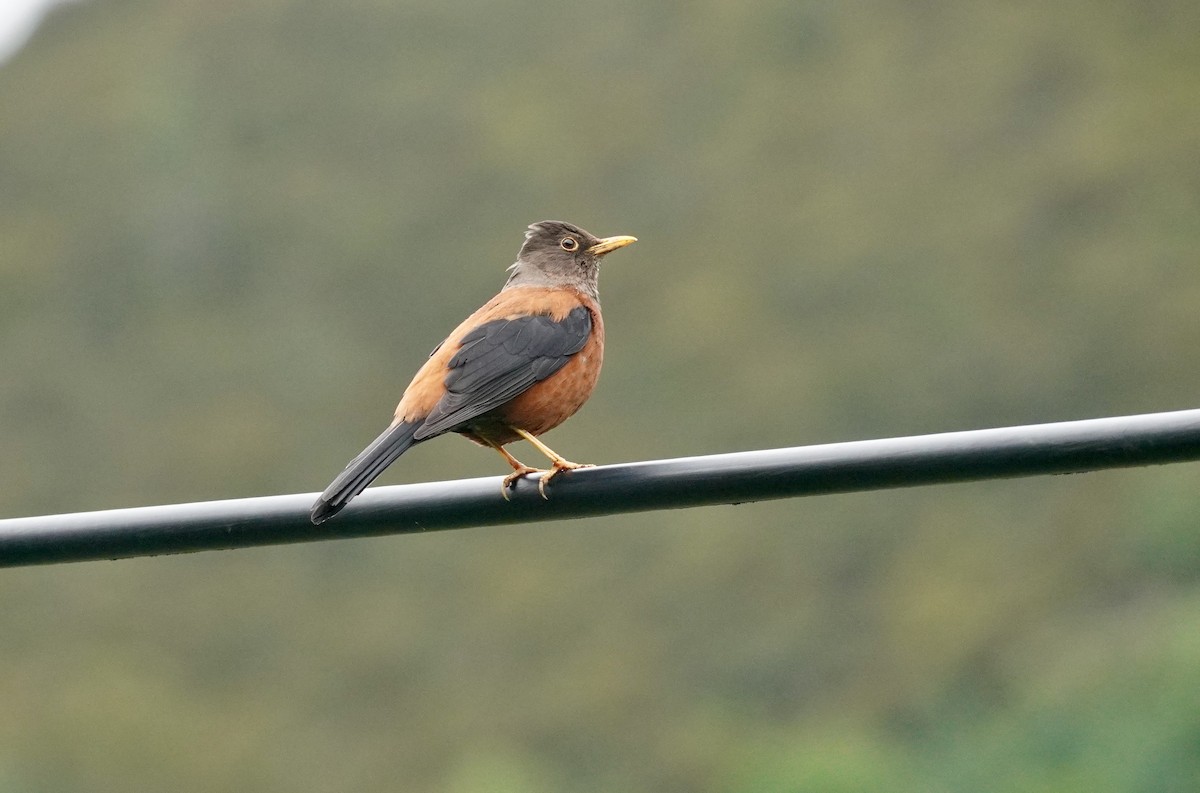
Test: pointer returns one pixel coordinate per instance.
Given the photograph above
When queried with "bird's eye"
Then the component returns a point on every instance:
(568, 243)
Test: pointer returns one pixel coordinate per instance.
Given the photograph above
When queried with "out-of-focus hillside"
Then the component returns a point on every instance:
(229, 232)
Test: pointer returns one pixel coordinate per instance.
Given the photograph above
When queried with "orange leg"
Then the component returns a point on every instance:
(520, 469)
(558, 463)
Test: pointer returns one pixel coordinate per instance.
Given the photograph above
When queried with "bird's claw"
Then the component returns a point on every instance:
(557, 468)
(510, 481)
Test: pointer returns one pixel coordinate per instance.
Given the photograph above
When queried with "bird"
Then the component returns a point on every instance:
(518, 367)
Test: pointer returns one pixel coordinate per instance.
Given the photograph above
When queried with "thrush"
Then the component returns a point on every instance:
(518, 367)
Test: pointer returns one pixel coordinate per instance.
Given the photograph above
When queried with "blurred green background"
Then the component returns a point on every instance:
(230, 232)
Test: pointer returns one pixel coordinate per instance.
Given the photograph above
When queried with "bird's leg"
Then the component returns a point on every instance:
(520, 469)
(558, 463)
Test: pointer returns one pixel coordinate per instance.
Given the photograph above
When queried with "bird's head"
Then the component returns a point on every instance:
(561, 254)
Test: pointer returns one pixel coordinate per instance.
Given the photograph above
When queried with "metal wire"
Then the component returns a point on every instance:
(1066, 447)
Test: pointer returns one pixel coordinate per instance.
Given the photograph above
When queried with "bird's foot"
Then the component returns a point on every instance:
(510, 481)
(557, 467)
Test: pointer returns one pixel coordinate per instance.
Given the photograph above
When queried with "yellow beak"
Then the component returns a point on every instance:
(609, 244)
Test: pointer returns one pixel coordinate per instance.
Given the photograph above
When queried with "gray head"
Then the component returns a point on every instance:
(561, 254)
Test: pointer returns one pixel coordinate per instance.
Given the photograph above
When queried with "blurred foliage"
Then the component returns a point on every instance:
(229, 232)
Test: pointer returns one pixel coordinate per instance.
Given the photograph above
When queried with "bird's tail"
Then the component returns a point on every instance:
(363, 469)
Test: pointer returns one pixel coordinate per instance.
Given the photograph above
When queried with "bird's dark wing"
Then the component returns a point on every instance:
(499, 360)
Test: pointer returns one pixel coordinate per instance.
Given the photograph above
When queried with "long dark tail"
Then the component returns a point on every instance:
(363, 469)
